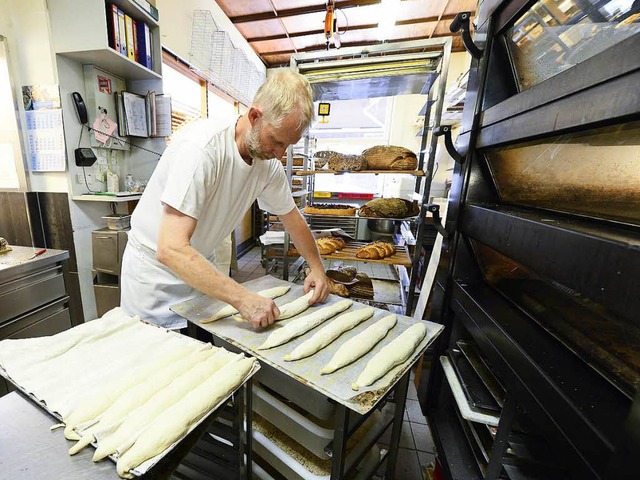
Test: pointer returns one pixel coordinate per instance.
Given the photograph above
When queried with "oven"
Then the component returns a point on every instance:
(538, 285)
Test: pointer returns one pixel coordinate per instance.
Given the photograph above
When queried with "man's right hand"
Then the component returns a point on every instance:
(258, 310)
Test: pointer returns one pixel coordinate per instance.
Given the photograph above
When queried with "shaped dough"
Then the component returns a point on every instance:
(176, 421)
(358, 345)
(394, 353)
(329, 333)
(172, 393)
(138, 395)
(231, 310)
(292, 309)
(301, 325)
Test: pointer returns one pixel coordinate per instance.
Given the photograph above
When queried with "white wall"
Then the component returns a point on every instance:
(176, 26)
(25, 24)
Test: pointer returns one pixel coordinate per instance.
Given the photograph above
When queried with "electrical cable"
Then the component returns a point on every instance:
(121, 140)
(346, 21)
(84, 173)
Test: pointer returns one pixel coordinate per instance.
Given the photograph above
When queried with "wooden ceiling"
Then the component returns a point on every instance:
(275, 29)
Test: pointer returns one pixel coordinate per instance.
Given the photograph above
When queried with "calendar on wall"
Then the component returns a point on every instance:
(45, 133)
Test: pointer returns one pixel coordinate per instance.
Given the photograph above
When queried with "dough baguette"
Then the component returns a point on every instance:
(394, 353)
(358, 345)
(301, 325)
(176, 421)
(329, 333)
(148, 411)
(296, 307)
(231, 310)
(139, 394)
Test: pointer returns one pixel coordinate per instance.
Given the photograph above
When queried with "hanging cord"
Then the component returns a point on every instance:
(121, 140)
(84, 172)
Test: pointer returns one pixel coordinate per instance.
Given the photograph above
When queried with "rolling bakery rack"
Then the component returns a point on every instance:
(378, 70)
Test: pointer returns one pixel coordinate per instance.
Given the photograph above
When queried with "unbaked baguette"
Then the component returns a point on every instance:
(148, 411)
(394, 353)
(176, 421)
(358, 345)
(329, 333)
(113, 416)
(301, 325)
(231, 310)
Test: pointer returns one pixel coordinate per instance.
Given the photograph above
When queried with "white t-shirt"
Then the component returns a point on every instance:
(202, 175)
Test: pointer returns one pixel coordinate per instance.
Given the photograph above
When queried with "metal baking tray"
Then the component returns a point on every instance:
(146, 466)
(336, 386)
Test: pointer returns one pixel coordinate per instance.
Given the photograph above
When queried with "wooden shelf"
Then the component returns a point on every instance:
(415, 173)
(348, 253)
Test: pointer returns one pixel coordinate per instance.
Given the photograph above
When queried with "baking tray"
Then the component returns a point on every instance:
(336, 386)
(146, 466)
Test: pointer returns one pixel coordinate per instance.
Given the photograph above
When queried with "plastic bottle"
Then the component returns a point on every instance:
(129, 183)
(113, 182)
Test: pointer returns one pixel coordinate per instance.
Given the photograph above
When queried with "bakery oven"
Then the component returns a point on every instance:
(538, 282)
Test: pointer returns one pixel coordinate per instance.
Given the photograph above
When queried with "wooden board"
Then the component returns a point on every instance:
(417, 173)
(348, 253)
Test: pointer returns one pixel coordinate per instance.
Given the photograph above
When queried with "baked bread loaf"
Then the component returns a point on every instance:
(364, 287)
(376, 250)
(338, 288)
(329, 209)
(328, 245)
(389, 208)
(341, 162)
(383, 157)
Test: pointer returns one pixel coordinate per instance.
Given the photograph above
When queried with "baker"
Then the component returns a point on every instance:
(206, 180)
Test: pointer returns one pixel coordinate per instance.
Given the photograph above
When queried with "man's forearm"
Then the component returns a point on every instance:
(196, 271)
(302, 238)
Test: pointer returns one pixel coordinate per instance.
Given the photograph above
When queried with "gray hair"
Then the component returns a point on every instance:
(284, 92)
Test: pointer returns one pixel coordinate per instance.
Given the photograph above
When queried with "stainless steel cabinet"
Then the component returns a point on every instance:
(108, 248)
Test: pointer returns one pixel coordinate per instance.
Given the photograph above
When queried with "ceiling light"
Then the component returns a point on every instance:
(388, 13)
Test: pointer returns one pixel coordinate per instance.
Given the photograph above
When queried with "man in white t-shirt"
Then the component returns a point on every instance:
(206, 180)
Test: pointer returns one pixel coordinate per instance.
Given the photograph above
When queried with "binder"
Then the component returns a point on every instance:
(112, 27)
(149, 49)
(143, 116)
(144, 52)
(135, 40)
(122, 31)
(129, 34)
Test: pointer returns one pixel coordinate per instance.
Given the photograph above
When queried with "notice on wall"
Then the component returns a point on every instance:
(45, 133)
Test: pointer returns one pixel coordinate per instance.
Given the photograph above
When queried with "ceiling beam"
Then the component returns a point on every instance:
(292, 12)
(316, 48)
(411, 21)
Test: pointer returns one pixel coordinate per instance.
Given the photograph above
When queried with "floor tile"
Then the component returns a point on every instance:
(425, 458)
(412, 394)
(415, 413)
(407, 466)
(406, 437)
(422, 437)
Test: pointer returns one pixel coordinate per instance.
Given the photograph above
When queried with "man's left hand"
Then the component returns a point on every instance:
(317, 280)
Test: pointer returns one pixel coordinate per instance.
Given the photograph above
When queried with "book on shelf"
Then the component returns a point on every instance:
(146, 116)
(147, 7)
(129, 37)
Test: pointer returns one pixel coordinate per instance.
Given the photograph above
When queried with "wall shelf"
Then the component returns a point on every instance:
(113, 62)
(106, 198)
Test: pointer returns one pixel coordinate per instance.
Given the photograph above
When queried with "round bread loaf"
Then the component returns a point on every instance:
(391, 157)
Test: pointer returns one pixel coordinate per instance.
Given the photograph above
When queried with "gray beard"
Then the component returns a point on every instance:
(254, 149)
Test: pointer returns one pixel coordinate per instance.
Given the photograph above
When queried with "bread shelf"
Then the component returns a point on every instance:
(348, 253)
(415, 173)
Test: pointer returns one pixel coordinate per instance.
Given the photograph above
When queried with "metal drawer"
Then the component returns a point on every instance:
(51, 310)
(56, 323)
(107, 297)
(30, 292)
(108, 247)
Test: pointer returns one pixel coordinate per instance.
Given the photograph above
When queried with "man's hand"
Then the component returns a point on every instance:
(318, 281)
(258, 310)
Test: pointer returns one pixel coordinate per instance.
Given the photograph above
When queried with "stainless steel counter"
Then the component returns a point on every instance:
(17, 262)
(33, 295)
(28, 449)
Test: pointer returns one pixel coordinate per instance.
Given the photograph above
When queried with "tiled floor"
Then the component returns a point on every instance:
(416, 446)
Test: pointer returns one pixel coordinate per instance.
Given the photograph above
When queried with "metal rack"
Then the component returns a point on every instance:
(368, 74)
